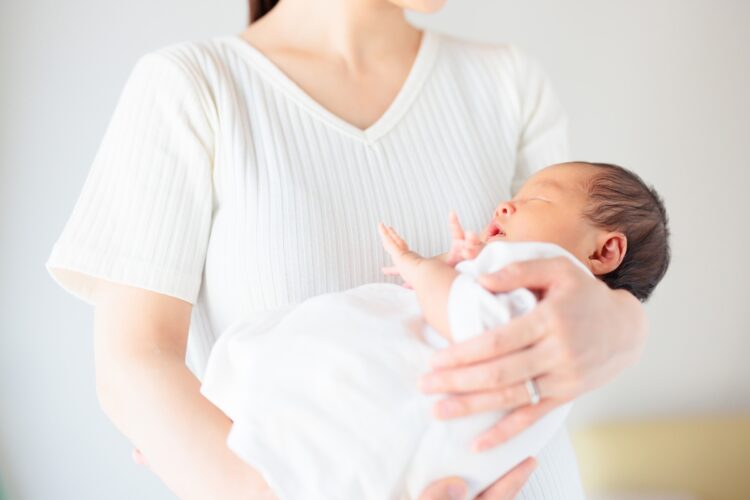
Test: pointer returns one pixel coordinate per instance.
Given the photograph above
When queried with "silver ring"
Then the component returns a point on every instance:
(533, 391)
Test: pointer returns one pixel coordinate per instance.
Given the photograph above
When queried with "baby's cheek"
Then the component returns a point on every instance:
(553, 229)
(543, 228)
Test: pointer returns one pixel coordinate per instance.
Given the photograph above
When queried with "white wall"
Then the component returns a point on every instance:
(657, 85)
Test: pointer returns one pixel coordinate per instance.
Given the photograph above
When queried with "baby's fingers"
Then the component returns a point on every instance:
(396, 238)
(457, 232)
(390, 270)
(472, 245)
(385, 235)
(473, 241)
(392, 242)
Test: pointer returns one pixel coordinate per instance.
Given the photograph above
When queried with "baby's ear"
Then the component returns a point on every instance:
(610, 251)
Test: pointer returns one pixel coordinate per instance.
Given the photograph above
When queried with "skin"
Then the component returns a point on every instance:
(150, 395)
(352, 57)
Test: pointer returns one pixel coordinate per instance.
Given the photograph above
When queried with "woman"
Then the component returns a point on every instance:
(248, 172)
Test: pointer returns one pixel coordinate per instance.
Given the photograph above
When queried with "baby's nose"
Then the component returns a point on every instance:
(504, 208)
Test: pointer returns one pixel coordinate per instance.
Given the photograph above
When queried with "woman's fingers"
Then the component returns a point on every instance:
(519, 333)
(450, 488)
(511, 484)
(505, 488)
(494, 374)
(505, 399)
(513, 423)
(535, 274)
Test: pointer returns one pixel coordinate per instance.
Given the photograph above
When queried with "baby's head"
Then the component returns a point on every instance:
(603, 214)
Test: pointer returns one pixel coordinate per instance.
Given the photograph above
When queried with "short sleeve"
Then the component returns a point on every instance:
(143, 215)
(543, 136)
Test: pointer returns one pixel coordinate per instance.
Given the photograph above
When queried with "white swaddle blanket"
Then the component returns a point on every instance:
(324, 398)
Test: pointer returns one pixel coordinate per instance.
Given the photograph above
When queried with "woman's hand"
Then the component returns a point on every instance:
(453, 488)
(505, 488)
(579, 336)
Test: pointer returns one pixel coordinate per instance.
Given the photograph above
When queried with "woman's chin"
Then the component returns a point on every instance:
(424, 6)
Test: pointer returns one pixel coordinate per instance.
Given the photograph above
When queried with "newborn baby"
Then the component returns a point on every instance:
(323, 394)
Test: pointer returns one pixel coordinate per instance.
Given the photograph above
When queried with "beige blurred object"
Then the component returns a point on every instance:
(644, 495)
(706, 458)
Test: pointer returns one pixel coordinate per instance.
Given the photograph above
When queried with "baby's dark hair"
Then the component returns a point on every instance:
(621, 201)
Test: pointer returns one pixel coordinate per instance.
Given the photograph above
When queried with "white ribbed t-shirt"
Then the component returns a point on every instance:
(219, 181)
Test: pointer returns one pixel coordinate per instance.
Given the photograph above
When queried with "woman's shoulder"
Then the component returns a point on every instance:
(500, 55)
(207, 61)
(187, 53)
(506, 65)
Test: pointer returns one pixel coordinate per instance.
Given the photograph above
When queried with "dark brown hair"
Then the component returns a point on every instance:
(259, 8)
(619, 200)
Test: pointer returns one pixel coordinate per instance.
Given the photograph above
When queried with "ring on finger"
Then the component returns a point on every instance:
(533, 389)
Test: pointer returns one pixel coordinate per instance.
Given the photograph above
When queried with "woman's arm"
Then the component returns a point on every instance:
(150, 395)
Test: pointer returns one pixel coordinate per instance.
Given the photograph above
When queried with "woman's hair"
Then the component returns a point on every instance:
(259, 8)
(621, 201)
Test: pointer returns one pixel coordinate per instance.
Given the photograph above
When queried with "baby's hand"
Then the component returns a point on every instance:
(404, 260)
(464, 245)
(472, 246)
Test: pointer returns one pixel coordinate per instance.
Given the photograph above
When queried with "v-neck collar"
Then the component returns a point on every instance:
(426, 54)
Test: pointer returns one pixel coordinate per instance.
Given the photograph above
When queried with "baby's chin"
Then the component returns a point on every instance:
(498, 237)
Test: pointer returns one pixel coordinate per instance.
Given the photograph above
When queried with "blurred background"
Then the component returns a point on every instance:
(659, 86)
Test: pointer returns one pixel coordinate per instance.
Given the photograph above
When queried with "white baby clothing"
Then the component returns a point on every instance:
(324, 396)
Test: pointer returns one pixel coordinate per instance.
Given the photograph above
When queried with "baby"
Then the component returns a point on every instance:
(323, 394)
(604, 215)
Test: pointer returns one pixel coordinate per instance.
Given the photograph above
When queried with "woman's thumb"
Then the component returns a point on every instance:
(452, 488)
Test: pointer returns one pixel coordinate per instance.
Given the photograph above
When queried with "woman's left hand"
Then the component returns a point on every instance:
(505, 488)
(578, 337)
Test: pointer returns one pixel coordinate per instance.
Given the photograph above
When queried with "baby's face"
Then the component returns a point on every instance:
(548, 207)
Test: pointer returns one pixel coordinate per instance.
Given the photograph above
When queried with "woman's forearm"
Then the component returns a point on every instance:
(154, 400)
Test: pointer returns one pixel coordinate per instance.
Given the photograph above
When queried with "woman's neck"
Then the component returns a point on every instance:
(355, 31)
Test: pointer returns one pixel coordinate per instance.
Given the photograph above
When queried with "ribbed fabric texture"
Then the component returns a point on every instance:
(220, 182)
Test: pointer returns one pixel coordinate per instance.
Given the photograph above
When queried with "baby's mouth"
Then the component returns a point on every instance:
(494, 229)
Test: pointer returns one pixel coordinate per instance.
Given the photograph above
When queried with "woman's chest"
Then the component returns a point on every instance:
(297, 200)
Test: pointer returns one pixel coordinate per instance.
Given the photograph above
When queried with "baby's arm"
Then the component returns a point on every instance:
(465, 245)
(431, 279)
